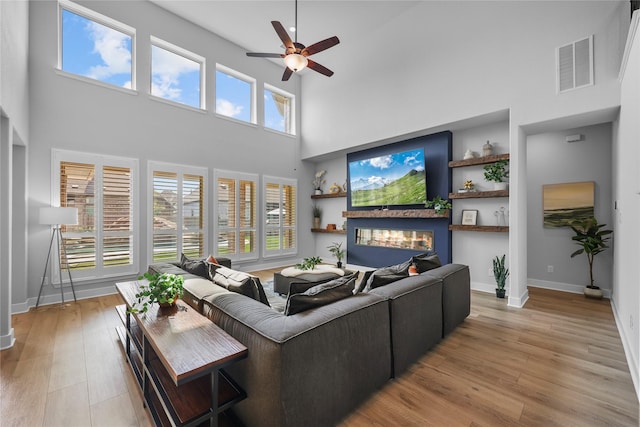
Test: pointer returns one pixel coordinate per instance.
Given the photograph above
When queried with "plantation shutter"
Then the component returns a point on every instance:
(117, 246)
(165, 216)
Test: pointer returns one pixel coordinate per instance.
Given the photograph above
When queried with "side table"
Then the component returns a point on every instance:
(177, 356)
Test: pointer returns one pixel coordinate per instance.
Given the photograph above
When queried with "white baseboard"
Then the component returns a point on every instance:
(489, 288)
(565, 287)
(68, 297)
(632, 359)
(7, 341)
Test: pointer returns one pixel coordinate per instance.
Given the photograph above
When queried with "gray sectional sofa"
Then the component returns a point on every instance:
(316, 367)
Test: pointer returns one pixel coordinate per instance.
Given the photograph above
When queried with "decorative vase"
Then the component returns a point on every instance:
(500, 185)
(500, 293)
(595, 293)
(468, 155)
(316, 222)
(318, 191)
(487, 149)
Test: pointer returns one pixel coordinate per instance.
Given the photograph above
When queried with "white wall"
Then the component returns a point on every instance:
(68, 113)
(626, 191)
(477, 249)
(551, 160)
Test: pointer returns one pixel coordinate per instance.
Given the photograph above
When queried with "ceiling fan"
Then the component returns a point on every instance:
(296, 55)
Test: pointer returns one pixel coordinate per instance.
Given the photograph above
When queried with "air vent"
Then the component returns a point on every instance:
(575, 65)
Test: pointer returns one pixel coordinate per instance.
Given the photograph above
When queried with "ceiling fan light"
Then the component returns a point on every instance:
(295, 61)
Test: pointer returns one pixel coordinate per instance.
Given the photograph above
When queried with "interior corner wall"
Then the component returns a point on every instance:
(552, 160)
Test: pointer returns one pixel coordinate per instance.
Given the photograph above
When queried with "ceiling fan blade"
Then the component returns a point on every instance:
(287, 73)
(320, 46)
(265, 55)
(319, 68)
(284, 36)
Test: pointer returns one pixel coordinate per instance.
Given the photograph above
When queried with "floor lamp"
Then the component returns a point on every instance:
(57, 217)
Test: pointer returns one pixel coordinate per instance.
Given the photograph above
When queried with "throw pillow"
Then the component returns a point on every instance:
(212, 259)
(320, 295)
(238, 281)
(427, 261)
(303, 286)
(384, 276)
(194, 266)
(363, 282)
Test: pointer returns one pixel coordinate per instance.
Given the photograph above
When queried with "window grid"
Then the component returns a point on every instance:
(278, 110)
(280, 207)
(235, 95)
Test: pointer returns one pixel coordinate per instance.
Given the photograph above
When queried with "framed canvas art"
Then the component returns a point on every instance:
(566, 203)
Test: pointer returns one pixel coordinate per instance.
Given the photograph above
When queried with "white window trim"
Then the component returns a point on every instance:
(237, 176)
(101, 19)
(266, 179)
(180, 170)
(98, 161)
(188, 55)
(292, 118)
(252, 81)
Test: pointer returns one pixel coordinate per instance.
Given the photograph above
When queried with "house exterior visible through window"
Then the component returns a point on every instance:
(176, 74)
(278, 110)
(279, 209)
(235, 94)
(178, 203)
(95, 46)
(102, 188)
(236, 215)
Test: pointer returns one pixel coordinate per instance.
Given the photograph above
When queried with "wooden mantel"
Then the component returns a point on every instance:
(396, 213)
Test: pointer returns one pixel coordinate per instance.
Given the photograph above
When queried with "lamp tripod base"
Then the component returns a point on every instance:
(57, 234)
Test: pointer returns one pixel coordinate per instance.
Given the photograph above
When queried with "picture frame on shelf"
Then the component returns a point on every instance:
(469, 217)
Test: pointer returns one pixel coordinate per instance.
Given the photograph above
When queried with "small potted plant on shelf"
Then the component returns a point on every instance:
(496, 173)
(318, 181)
(337, 251)
(500, 273)
(309, 263)
(317, 214)
(592, 240)
(438, 204)
(162, 288)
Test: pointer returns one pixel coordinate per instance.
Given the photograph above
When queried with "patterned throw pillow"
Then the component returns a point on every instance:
(320, 295)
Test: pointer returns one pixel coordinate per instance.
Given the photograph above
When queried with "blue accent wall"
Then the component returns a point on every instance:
(437, 153)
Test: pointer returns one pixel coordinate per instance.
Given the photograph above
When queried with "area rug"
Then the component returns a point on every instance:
(276, 301)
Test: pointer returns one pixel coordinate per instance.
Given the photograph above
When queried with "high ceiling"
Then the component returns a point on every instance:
(248, 23)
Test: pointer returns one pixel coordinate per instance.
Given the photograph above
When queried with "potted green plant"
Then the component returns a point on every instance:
(317, 214)
(337, 251)
(438, 204)
(162, 288)
(500, 273)
(592, 241)
(318, 181)
(496, 173)
(309, 263)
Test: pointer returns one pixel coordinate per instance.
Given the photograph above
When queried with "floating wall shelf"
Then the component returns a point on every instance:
(328, 195)
(324, 230)
(479, 194)
(485, 228)
(478, 160)
(396, 213)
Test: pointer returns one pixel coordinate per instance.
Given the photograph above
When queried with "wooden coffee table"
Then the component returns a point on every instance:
(177, 356)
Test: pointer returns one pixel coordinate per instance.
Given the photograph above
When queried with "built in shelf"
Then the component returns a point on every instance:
(482, 228)
(396, 213)
(328, 195)
(324, 230)
(478, 160)
(479, 194)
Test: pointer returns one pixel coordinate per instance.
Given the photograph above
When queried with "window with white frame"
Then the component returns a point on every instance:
(279, 210)
(177, 74)
(177, 203)
(95, 46)
(278, 110)
(104, 190)
(235, 94)
(236, 214)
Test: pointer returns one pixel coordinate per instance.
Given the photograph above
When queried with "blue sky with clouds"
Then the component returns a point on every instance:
(389, 167)
(99, 52)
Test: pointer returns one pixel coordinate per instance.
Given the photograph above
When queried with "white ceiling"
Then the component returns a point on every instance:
(248, 23)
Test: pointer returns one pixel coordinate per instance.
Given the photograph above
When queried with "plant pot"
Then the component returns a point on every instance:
(500, 293)
(595, 293)
(339, 264)
(318, 192)
(316, 222)
(166, 304)
(500, 185)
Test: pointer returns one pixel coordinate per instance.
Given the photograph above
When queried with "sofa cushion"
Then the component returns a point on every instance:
(165, 267)
(199, 267)
(238, 281)
(320, 295)
(384, 276)
(427, 261)
(299, 287)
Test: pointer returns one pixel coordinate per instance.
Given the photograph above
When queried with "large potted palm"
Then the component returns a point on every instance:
(592, 241)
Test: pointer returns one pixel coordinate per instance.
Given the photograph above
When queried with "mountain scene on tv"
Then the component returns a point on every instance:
(393, 179)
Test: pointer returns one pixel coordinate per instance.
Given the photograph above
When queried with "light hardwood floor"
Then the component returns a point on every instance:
(558, 361)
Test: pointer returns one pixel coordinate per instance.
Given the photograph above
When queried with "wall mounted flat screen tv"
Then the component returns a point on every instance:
(387, 180)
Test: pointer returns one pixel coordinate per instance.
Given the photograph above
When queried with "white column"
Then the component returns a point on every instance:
(6, 331)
